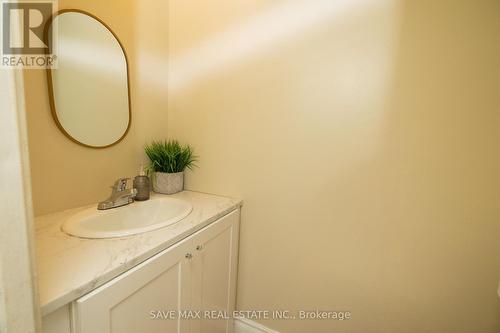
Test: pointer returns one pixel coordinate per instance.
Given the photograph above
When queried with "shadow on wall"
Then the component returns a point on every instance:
(365, 150)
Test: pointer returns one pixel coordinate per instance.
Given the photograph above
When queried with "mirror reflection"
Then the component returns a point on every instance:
(89, 94)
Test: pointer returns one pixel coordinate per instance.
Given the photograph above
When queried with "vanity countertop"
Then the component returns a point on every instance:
(69, 267)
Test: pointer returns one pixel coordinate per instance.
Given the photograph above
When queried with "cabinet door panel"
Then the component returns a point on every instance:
(161, 294)
(214, 273)
(124, 304)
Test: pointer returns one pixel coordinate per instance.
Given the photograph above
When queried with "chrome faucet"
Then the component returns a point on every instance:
(120, 195)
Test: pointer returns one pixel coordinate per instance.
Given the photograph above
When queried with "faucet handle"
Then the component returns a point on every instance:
(120, 185)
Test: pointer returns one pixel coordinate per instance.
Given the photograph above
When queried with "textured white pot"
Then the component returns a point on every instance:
(168, 183)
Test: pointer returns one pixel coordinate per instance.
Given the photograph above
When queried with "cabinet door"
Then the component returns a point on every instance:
(125, 304)
(213, 270)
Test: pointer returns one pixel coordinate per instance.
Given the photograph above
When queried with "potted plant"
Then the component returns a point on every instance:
(169, 159)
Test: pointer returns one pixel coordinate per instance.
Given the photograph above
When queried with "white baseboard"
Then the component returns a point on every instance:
(243, 325)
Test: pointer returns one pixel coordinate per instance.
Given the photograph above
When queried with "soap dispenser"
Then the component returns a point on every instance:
(142, 185)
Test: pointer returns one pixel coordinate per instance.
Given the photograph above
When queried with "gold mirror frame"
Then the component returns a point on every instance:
(51, 88)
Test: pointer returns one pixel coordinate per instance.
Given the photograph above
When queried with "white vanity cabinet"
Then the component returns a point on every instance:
(197, 273)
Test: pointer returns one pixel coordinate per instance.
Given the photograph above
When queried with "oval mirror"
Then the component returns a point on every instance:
(89, 88)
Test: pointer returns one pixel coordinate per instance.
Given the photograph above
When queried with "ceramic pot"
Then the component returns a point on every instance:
(168, 183)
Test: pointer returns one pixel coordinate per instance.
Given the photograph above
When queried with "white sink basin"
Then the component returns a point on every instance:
(136, 218)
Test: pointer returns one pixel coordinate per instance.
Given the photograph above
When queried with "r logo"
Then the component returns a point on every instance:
(23, 27)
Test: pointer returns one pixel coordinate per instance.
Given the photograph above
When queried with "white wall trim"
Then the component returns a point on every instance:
(19, 311)
(243, 325)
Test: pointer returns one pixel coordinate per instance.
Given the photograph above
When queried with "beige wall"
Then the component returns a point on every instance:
(67, 175)
(363, 137)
